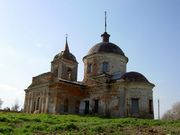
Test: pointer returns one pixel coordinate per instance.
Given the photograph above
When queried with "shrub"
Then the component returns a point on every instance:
(71, 126)
(174, 113)
(6, 130)
(4, 119)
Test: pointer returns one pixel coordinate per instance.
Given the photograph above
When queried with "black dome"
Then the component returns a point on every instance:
(134, 77)
(65, 55)
(105, 47)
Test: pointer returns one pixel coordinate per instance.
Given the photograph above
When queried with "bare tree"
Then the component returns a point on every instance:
(1, 102)
(7, 109)
(174, 113)
(15, 107)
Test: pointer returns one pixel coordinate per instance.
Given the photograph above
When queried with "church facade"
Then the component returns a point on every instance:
(107, 88)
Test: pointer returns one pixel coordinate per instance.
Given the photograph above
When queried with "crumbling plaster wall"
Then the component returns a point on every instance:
(117, 63)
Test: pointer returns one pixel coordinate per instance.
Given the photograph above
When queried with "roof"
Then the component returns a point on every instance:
(134, 77)
(106, 47)
(65, 55)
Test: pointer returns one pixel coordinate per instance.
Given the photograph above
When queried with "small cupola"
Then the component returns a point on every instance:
(105, 37)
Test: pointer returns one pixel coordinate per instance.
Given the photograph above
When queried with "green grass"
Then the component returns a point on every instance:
(39, 124)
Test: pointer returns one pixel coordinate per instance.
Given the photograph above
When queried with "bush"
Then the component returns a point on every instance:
(4, 119)
(174, 113)
(71, 126)
(6, 130)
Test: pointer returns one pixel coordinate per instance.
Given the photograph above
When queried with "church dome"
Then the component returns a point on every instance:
(134, 77)
(65, 55)
(105, 46)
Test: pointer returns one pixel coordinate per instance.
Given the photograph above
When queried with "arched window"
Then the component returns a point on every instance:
(89, 68)
(105, 67)
(66, 105)
(34, 107)
(38, 103)
(28, 105)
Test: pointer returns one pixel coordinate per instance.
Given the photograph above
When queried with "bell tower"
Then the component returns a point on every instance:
(64, 65)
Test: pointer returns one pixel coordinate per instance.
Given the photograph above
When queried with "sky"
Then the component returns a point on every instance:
(32, 32)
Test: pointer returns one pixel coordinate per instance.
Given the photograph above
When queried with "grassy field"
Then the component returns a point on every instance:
(40, 124)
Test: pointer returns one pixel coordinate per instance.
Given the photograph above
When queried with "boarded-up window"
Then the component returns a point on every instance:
(38, 103)
(135, 106)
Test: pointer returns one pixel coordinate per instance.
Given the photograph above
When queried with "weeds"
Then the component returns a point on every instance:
(26, 124)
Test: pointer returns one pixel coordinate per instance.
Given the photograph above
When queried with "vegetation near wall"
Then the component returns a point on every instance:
(20, 123)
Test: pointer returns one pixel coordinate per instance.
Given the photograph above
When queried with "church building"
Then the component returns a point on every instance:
(106, 90)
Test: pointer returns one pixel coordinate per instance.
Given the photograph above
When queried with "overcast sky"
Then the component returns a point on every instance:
(32, 32)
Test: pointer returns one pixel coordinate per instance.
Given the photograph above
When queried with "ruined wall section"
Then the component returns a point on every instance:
(116, 64)
(143, 93)
(111, 99)
(36, 100)
(65, 69)
(62, 93)
(42, 78)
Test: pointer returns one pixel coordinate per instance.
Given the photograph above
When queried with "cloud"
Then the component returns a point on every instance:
(17, 66)
(10, 94)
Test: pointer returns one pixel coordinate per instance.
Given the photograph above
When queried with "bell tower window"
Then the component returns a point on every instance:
(69, 73)
(105, 67)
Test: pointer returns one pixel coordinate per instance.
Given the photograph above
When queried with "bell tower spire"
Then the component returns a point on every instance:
(66, 45)
(64, 64)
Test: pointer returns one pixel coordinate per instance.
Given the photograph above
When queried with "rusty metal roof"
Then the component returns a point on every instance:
(65, 55)
(106, 47)
(134, 77)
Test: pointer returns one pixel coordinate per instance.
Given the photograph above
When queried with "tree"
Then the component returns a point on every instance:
(1, 102)
(174, 113)
(15, 107)
(7, 109)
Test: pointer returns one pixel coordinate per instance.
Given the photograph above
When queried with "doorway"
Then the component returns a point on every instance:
(86, 111)
(96, 105)
(135, 106)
